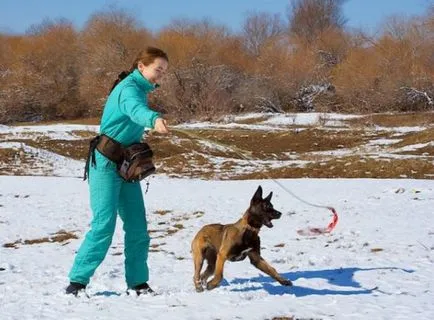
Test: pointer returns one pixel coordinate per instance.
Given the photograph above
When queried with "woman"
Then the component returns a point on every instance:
(125, 116)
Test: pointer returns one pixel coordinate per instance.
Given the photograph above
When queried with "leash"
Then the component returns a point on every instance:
(309, 231)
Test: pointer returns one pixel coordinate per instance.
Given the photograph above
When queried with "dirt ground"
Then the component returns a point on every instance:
(309, 151)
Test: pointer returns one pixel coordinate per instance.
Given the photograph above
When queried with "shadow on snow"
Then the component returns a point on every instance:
(343, 277)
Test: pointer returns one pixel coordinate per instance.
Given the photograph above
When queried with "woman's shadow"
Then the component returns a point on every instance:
(343, 277)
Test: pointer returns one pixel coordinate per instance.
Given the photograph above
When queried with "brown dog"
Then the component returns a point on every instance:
(217, 243)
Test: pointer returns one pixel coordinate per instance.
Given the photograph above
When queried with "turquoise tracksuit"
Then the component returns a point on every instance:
(125, 116)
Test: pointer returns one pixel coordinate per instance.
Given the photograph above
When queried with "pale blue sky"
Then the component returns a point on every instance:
(17, 15)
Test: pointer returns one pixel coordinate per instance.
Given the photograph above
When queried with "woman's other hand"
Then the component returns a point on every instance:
(161, 126)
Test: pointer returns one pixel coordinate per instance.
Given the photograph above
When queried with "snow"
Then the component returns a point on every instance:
(377, 263)
(380, 142)
(277, 122)
(400, 130)
(226, 126)
(309, 119)
(53, 131)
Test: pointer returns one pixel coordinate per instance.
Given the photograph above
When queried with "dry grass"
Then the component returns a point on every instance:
(16, 162)
(187, 153)
(162, 212)
(394, 120)
(279, 245)
(7, 155)
(424, 136)
(84, 134)
(59, 236)
(425, 151)
(75, 149)
(266, 144)
(351, 167)
(85, 121)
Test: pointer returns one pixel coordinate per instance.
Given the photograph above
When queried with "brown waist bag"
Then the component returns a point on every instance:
(134, 162)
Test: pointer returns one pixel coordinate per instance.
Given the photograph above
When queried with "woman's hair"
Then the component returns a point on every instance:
(146, 57)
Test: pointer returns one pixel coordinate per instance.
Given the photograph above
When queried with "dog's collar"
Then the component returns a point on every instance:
(249, 227)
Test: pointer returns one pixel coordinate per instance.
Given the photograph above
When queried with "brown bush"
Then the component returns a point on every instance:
(41, 80)
(394, 73)
(110, 42)
(198, 91)
(56, 72)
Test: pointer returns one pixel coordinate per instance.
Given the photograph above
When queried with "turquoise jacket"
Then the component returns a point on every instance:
(126, 113)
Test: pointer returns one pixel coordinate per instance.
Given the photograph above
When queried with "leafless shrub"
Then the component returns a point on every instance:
(199, 91)
(306, 96)
(109, 42)
(42, 81)
(412, 99)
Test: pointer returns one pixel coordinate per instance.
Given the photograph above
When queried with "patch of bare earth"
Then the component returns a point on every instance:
(85, 121)
(419, 137)
(257, 154)
(394, 120)
(60, 236)
(15, 161)
(75, 149)
(351, 167)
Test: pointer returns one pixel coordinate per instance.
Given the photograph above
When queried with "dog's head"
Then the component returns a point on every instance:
(261, 211)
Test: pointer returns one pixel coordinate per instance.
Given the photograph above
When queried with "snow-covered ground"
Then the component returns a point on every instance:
(376, 264)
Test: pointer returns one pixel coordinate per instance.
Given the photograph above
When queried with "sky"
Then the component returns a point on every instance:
(16, 16)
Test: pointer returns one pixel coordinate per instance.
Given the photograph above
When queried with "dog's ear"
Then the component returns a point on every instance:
(258, 195)
(268, 198)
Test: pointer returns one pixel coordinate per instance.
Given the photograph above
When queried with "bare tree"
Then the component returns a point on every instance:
(309, 18)
(258, 28)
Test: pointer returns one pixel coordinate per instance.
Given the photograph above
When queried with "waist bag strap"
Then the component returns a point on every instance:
(91, 155)
(110, 148)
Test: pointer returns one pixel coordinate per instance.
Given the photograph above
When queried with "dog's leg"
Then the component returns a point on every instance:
(211, 257)
(218, 275)
(263, 265)
(221, 257)
(198, 263)
(209, 271)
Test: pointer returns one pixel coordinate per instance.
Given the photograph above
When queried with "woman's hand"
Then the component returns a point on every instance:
(161, 126)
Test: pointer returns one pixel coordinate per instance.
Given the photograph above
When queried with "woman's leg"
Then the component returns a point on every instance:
(104, 186)
(132, 212)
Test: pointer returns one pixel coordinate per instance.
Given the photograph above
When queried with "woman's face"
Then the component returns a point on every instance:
(154, 71)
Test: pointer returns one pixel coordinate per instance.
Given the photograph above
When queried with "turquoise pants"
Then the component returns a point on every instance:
(109, 195)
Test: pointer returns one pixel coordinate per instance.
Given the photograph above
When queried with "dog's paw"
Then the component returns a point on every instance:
(287, 283)
(199, 289)
(210, 285)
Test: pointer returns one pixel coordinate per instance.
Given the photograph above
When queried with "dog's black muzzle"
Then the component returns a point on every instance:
(276, 214)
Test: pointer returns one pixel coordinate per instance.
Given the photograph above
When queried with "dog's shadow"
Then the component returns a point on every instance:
(343, 277)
